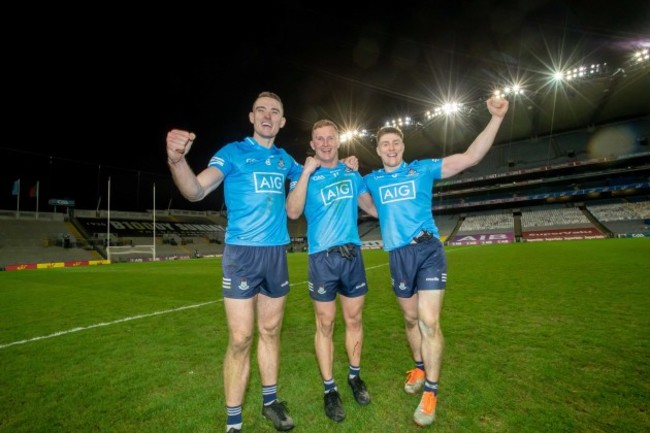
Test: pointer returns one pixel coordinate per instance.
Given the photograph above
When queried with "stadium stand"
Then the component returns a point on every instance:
(623, 218)
(487, 222)
(46, 239)
(561, 187)
(369, 230)
(447, 225)
(54, 238)
(555, 217)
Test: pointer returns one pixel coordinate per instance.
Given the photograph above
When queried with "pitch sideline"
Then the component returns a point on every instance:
(126, 319)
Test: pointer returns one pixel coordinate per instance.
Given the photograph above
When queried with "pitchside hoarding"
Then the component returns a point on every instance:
(563, 234)
(481, 239)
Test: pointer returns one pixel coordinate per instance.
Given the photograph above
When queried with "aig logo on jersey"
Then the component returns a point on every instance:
(336, 191)
(397, 192)
(269, 182)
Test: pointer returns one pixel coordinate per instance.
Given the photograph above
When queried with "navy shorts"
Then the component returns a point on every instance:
(416, 267)
(331, 273)
(248, 271)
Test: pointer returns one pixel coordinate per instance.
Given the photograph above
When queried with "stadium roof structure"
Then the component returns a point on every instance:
(547, 97)
(564, 66)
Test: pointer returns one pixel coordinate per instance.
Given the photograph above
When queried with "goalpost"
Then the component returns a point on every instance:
(131, 253)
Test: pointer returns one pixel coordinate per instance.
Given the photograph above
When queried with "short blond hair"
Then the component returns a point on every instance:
(389, 130)
(322, 123)
(269, 95)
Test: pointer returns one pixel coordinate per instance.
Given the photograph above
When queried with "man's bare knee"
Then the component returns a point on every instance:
(240, 342)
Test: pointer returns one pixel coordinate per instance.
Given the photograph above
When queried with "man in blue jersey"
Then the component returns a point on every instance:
(255, 272)
(403, 193)
(330, 193)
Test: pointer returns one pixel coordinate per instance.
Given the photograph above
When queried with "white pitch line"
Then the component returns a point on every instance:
(99, 325)
(126, 319)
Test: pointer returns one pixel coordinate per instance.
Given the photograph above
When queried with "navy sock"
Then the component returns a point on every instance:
(233, 417)
(329, 385)
(269, 394)
(431, 387)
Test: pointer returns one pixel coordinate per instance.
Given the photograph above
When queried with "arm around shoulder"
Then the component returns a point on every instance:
(367, 204)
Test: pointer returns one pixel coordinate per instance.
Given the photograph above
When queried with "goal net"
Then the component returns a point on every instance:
(131, 253)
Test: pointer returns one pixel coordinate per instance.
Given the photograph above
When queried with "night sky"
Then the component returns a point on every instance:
(90, 93)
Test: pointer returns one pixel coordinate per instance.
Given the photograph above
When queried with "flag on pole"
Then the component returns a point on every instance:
(16, 189)
(33, 191)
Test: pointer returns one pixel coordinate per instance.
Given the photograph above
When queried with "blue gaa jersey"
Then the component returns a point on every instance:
(331, 207)
(255, 192)
(403, 199)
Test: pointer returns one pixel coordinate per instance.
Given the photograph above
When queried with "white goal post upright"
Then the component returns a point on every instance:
(108, 221)
(153, 239)
(133, 253)
(135, 250)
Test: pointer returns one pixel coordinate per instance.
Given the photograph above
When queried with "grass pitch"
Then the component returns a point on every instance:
(544, 337)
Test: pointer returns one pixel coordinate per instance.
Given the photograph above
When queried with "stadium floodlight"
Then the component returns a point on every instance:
(557, 76)
(574, 73)
(641, 56)
(400, 122)
(581, 72)
(353, 134)
(452, 108)
(512, 90)
(639, 59)
(516, 89)
(446, 109)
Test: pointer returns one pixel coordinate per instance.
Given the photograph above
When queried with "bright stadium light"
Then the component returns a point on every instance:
(354, 134)
(512, 90)
(581, 72)
(451, 108)
(641, 56)
(400, 122)
(558, 75)
(446, 109)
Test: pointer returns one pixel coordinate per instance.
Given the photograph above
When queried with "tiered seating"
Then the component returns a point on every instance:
(613, 212)
(369, 230)
(554, 217)
(623, 218)
(27, 241)
(501, 221)
(446, 224)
